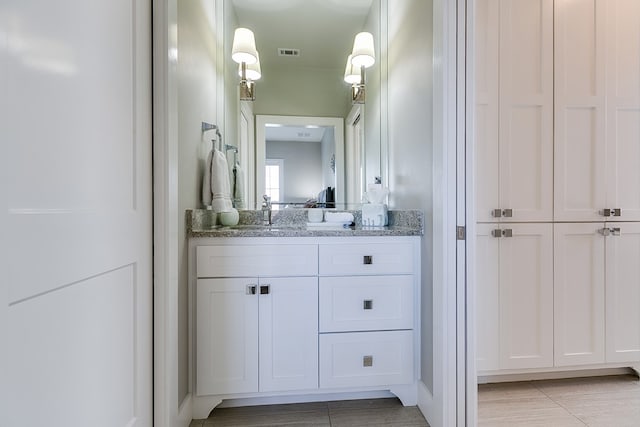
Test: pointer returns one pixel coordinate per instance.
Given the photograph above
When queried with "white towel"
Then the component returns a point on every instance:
(216, 189)
(220, 186)
(238, 187)
(344, 217)
(206, 181)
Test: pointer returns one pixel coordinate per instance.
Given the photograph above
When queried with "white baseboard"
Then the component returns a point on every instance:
(185, 412)
(553, 375)
(425, 404)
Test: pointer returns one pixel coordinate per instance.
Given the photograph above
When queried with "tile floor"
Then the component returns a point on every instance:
(612, 401)
(348, 413)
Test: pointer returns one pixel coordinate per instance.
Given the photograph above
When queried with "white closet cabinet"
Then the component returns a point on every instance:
(516, 287)
(597, 293)
(597, 110)
(514, 110)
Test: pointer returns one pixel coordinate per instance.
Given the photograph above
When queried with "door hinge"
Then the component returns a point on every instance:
(461, 232)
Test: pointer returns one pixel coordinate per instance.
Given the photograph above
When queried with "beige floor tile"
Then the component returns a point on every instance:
(409, 417)
(579, 386)
(501, 391)
(196, 423)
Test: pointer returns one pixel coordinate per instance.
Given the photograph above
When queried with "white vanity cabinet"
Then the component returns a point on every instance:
(297, 316)
(255, 332)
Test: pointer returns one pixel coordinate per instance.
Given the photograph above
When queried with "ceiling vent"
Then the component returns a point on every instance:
(288, 52)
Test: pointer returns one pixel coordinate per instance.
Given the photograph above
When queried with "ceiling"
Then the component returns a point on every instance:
(323, 30)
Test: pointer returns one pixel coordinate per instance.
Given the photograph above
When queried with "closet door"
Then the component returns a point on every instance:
(623, 107)
(526, 109)
(578, 293)
(526, 296)
(580, 94)
(623, 293)
(486, 65)
(488, 300)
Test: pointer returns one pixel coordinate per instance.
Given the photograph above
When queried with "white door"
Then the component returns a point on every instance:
(580, 93)
(526, 296)
(76, 290)
(579, 301)
(623, 293)
(226, 336)
(288, 333)
(487, 297)
(526, 110)
(623, 107)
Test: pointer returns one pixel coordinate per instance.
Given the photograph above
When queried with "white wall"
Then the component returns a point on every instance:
(302, 168)
(197, 88)
(410, 137)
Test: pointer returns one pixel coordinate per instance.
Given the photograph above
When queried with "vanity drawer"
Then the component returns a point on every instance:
(366, 303)
(366, 359)
(256, 260)
(377, 258)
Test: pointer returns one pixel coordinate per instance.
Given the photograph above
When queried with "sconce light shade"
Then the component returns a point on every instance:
(363, 54)
(253, 71)
(351, 73)
(244, 47)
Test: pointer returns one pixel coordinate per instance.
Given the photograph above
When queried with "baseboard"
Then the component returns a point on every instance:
(554, 375)
(426, 404)
(185, 412)
(304, 398)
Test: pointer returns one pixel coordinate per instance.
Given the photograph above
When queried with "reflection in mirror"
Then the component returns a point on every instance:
(300, 160)
(309, 83)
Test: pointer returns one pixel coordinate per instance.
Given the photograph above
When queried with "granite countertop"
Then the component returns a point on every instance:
(293, 223)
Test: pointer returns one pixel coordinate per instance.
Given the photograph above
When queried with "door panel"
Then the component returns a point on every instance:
(76, 103)
(487, 298)
(526, 297)
(579, 294)
(623, 294)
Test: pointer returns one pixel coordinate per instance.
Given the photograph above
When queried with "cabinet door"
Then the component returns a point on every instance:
(288, 333)
(226, 336)
(579, 165)
(526, 296)
(623, 107)
(579, 294)
(486, 65)
(526, 109)
(487, 298)
(623, 293)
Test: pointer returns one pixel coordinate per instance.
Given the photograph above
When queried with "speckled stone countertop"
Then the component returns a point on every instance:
(293, 223)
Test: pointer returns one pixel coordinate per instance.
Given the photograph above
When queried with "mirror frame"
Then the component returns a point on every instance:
(261, 148)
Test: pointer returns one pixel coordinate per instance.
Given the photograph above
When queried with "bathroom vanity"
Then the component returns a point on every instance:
(285, 314)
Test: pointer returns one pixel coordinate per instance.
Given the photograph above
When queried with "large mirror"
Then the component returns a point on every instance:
(306, 81)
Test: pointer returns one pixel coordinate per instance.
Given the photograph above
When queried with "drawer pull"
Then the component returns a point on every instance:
(367, 259)
(367, 361)
(367, 304)
(251, 289)
(265, 289)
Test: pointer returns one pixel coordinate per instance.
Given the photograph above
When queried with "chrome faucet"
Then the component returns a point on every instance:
(266, 210)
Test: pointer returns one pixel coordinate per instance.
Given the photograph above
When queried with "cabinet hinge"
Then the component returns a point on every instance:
(461, 232)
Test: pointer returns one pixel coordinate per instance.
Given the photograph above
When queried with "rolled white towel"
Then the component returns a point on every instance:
(338, 217)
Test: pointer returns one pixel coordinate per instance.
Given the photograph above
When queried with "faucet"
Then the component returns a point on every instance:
(266, 210)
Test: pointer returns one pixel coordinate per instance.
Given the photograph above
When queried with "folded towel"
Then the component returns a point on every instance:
(238, 187)
(338, 217)
(206, 181)
(216, 190)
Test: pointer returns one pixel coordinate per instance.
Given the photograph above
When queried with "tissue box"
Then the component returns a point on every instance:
(374, 215)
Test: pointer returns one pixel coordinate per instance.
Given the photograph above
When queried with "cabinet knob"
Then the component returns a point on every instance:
(265, 289)
(367, 304)
(507, 213)
(496, 233)
(615, 231)
(507, 232)
(367, 259)
(612, 212)
(367, 361)
(251, 289)
(496, 213)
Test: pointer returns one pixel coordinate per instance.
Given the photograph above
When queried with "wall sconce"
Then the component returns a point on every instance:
(244, 52)
(363, 56)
